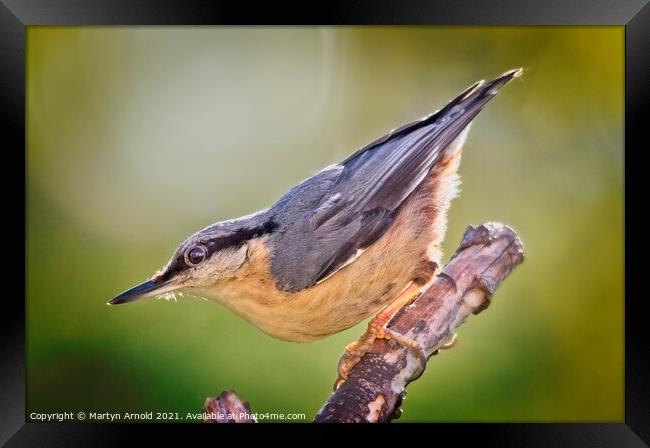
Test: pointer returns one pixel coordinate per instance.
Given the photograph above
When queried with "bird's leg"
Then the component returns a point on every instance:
(377, 329)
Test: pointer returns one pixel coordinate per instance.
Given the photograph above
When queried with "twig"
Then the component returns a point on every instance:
(376, 385)
(227, 408)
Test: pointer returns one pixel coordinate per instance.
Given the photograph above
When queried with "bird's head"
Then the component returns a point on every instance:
(202, 260)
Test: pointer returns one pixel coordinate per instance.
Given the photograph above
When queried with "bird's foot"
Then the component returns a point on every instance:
(378, 329)
(356, 350)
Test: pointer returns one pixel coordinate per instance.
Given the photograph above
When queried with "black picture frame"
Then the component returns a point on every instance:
(634, 15)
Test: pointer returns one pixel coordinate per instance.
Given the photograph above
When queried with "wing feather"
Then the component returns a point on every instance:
(327, 221)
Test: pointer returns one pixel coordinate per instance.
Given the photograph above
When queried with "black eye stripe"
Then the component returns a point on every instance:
(234, 240)
(240, 236)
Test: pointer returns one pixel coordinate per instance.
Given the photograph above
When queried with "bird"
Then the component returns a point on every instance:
(359, 238)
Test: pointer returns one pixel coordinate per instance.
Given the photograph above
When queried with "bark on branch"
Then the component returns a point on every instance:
(227, 408)
(375, 387)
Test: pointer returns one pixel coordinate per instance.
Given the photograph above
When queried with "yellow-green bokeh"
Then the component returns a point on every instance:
(138, 137)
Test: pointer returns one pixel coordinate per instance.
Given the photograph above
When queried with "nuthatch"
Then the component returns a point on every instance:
(357, 237)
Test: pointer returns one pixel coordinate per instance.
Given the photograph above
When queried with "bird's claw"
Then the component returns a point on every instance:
(353, 354)
(451, 343)
(378, 329)
(357, 349)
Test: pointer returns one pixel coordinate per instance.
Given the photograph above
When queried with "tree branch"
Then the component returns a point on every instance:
(227, 408)
(376, 385)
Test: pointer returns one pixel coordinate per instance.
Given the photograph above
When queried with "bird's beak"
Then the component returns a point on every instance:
(149, 288)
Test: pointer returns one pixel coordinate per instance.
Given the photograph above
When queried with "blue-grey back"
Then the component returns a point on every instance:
(329, 218)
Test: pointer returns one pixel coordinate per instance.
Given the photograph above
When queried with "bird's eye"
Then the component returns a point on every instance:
(196, 255)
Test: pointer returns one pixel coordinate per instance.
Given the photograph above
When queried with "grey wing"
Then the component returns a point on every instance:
(329, 219)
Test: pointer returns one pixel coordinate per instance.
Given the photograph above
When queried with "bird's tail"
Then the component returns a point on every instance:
(391, 168)
(472, 99)
(451, 123)
(447, 123)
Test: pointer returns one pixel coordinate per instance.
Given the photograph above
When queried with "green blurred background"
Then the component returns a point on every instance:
(138, 137)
